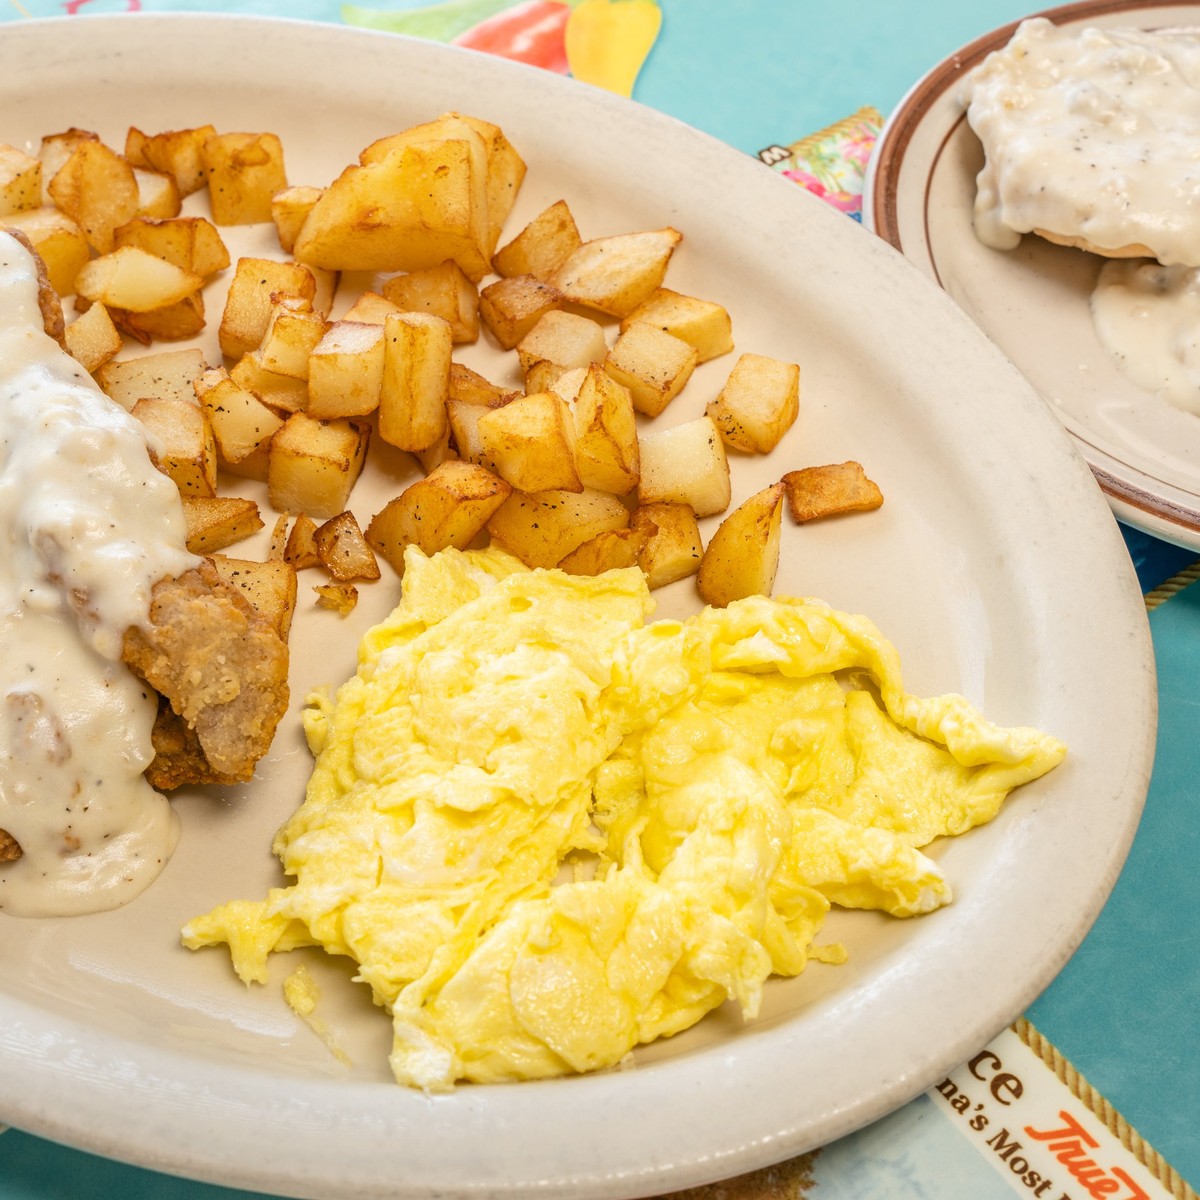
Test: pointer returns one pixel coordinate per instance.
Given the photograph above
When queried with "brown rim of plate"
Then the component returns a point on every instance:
(890, 151)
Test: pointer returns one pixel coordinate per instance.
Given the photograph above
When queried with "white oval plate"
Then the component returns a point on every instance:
(994, 565)
(1033, 302)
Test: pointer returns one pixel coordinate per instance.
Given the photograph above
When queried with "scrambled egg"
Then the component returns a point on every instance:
(547, 831)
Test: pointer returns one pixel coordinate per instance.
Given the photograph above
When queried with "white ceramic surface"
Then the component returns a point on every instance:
(994, 565)
(1033, 301)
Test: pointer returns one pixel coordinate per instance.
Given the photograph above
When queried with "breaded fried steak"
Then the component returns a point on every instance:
(221, 667)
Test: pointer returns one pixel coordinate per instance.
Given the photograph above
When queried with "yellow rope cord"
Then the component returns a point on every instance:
(1173, 586)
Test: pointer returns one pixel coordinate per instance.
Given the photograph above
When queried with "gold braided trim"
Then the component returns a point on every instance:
(1096, 1103)
(1173, 586)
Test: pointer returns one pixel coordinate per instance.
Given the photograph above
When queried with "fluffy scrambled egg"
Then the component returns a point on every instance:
(548, 831)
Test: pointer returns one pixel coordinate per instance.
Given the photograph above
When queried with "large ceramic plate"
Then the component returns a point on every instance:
(994, 565)
(1033, 302)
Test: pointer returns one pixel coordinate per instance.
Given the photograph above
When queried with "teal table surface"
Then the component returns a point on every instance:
(1125, 1009)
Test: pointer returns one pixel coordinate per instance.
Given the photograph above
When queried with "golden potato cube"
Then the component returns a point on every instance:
(700, 323)
(343, 550)
(758, 404)
(531, 440)
(442, 290)
(138, 282)
(169, 375)
(673, 547)
(542, 528)
(565, 339)
(190, 243)
(293, 332)
(743, 555)
(177, 152)
(174, 322)
(607, 453)
(92, 339)
(505, 174)
(449, 507)
(615, 274)
(340, 597)
(511, 307)
(301, 547)
(545, 376)
(58, 240)
(184, 448)
(463, 417)
(289, 208)
(312, 464)
(443, 450)
(607, 551)
(279, 534)
(253, 291)
(685, 465)
(20, 180)
(244, 171)
(269, 586)
(469, 385)
(214, 522)
(345, 370)
(96, 188)
(54, 151)
(371, 309)
(242, 424)
(653, 365)
(158, 194)
(281, 392)
(416, 207)
(815, 492)
(416, 380)
(542, 246)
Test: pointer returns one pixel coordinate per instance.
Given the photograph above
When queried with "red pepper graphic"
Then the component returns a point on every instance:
(530, 33)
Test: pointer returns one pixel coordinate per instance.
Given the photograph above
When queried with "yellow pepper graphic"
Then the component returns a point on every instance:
(608, 40)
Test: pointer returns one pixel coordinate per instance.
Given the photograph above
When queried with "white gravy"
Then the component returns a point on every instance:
(1090, 133)
(1147, 317)
(89, 526)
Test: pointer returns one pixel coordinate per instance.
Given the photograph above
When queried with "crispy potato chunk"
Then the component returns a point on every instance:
(186, 450)
(542, 246)
(443, 291)
(133, 280)
(277, 391)
(54, 151)
(92, 339)
(511, 307)
(473, 388)
(269, 587)
(256, 284)
(158, 195)
(173, 323)
(289, 208)
(177, 152)
(531, 440)
(815, 492)
(190, 243)
(607, 452)
(542, 528)
(292, 334)
(615, 274)
(312, 465)
(564, 338)
(673, 548)
(96, 188)
(505, 174)
(449, 507)
(371, 309)
(244, 171)
(343, 550)
(340, 597)
(58, 241)
(606, 552)
(300, 550)
(742, 557)
(416, 380)
(653, 365)
(20, 180)
(345, 370)
(169, 374)
(685, 465)
(758, 404)
(214, 522)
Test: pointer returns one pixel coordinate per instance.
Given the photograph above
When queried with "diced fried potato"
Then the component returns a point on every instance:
(371, 309)
(133, 280)
(441, 451)
(545, 376)
(174, 323)
(300, 550)
(20, 180)
(443, 291)
(340, 597)
(449, 507)
(289, 208)
(326, 285)
(685, 465)
(607, 454)
(345, 370)
(185, 449)
(343, 550)
(177, 152)
(470, 386)
(653, 365)
(564, 338)
(54, 151)
(742, 556)
(242, 424)
(607, 551)
(615, 274)
(464, 417)
(567, 384)
(279, 536)
(673, 547)
(170, 374)
(416, 380)
(58, 240)
(269, 586)
(96, 188)
(700, 323)
(244, 171)
(542, 246)
(278, 391)
(826, 491)
(758, 404)
(312, 465)
(511, 307)
(505, 174)
(256, 284)
(92, 339)
(293, 332)
(416, 207)
(214, 522)
(542, 528)
(191, 243)
(158, 194)
(531, 441)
